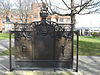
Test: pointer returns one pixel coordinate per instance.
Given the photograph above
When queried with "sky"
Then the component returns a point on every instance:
(90, 20)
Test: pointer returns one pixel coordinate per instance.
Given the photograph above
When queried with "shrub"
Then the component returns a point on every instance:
(96, 34)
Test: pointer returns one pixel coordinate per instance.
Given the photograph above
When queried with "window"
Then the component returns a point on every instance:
(35, 15)
(56, 19)
(68, 20)
(49, 19)
(61, 19)
(30, 16)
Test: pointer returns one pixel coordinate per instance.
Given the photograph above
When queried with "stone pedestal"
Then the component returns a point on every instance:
(43, 73)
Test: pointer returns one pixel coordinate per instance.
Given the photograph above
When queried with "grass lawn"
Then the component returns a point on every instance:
(3, 53)
(4, 36)
(89, 46)
(6, 52)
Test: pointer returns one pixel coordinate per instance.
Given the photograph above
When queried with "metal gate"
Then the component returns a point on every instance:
(42, 44)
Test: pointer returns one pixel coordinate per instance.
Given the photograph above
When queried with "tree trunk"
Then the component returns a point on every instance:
(72, 15)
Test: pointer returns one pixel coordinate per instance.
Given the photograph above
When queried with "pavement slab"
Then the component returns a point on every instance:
(4, 44)
(88, 65)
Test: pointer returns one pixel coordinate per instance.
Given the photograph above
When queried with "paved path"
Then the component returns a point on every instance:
(89, 65)
(4, 44)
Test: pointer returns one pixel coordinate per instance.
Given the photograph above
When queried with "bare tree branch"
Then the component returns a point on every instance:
(93, 4)
(66, 4)
(61, 14)
(89, 12)
(5, 7)
(53, 11)
(24, 7)
(83, 6)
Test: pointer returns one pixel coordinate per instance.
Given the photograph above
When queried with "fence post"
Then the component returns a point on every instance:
(10, 58)
(77, 33)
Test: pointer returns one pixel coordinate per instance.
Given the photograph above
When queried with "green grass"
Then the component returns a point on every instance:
(3, 53)
(88, 46)
(4, 36)
(6, 52)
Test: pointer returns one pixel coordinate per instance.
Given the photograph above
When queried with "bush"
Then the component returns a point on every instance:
(96, 34)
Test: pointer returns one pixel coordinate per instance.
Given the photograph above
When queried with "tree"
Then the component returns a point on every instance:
(27, 9)
(24, 9)
(77, 7)
(5, 7)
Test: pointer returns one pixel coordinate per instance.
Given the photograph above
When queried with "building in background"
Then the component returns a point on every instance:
(88, 31)
(0, 24)
(36, 8)
(7, 25)
(33, 16)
